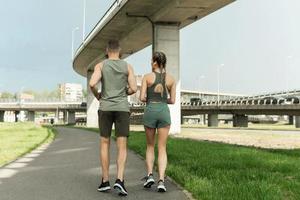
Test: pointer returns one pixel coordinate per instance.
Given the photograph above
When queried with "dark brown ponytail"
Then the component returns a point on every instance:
(161, 59)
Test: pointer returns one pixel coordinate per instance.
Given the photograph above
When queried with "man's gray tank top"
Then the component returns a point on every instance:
(114, 82)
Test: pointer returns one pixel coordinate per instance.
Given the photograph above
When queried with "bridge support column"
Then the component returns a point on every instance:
(212, 120)
(204, 119)
(71, 117)
(56, 116)
(240, 121)
(30, 116)
(2, 116)
(65, 117)
(166, 39)
(92, 105)
(291, 120)
(297, 120)
(17, 115)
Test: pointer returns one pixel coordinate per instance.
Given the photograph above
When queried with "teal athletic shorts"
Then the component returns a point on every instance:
(157, 115)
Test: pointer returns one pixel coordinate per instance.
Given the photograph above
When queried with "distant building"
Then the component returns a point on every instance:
(26, 96)
(71, 92)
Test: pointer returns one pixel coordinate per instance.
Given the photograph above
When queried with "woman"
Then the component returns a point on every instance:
(155, 89)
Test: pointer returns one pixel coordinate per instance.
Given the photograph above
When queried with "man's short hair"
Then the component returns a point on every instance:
(113, 46)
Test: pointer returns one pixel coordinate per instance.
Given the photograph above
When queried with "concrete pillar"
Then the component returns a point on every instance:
(204, 119)
(17, 113)
(2, 116)
(30, 116)
(56, 116)
(212, 120)
(297, 120)
(92, 105)
(181, 120)
(65, 117)
(166, 39)
(291, 120)
(240, 121)
(71, 117)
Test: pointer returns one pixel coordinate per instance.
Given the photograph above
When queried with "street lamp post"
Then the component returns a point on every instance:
(287, 71)
(200, 77)
(83, 26)
(218, 74)
(73, 31)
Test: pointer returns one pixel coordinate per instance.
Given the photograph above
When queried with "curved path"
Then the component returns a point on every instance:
(69, 169)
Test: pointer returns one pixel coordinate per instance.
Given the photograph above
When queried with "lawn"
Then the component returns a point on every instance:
(16, 139)
(211, 170)
(221, 171)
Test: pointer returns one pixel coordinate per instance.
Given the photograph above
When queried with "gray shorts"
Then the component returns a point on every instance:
(107, 118)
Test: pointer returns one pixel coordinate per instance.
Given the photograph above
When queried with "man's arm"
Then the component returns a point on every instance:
(143, 90)
(96, 77)
(131, 81)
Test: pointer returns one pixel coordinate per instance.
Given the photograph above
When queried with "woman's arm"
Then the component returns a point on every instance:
(143, 90)
(172, 91)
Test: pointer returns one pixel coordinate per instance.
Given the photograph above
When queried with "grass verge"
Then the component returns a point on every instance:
(212, 170)
(17, 139)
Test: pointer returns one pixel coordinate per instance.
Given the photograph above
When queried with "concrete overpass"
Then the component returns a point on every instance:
(68, 108)
(236, 109)
(138, 25)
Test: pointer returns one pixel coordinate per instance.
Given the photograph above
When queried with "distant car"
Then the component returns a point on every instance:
(83, 104)
(291, 100)
(81, 120)
(270, 100)
(195, 101)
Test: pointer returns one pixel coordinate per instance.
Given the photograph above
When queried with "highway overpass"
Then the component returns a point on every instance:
(138, 24)
(68, 108)
(239, 109)
(236, 109)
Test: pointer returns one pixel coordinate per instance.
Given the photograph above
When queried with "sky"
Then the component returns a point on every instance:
(255, 43)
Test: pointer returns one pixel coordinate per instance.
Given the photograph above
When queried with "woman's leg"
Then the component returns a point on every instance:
(150, 136)
(162, 151)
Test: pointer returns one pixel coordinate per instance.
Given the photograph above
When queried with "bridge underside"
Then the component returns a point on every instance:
(135, 33)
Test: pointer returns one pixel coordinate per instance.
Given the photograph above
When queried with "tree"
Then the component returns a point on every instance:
(7, 95)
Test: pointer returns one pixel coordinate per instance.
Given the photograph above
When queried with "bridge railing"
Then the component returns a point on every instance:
(39, 100)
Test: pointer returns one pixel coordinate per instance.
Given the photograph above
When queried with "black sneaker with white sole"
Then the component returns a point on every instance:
(161, 186)
(105, 186)
(120, 188)
(149, 181)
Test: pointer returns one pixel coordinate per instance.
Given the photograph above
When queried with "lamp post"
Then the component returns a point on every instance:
(200, 77)
(218, 74)
(83, 26)
(73, 31)
(289, 58)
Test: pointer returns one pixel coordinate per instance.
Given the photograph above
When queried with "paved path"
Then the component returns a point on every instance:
(69, 169)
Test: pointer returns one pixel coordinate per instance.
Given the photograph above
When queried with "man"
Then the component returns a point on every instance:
(117, 81)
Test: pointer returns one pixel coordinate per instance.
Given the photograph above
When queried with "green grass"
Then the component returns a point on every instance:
(220, 171)
(17, 139)
(212, 170)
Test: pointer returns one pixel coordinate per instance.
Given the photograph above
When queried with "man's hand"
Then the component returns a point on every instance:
(98, 96)
(132, 88)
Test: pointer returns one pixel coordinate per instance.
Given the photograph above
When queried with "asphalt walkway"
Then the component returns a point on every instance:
(69, 168)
